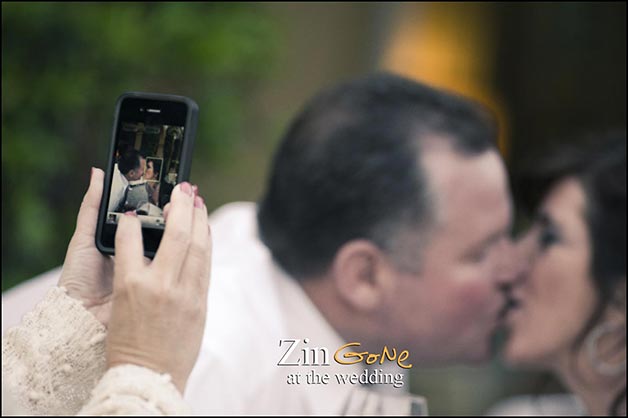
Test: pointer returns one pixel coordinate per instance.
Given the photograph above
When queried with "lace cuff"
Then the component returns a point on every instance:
(133, 390)
(55, 357)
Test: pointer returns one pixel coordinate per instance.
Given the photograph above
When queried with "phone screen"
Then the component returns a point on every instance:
(148, 145)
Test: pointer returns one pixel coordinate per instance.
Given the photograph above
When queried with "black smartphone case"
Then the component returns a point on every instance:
(184, 167)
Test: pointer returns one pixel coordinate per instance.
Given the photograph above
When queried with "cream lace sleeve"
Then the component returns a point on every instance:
(135, 390)
(53, 360)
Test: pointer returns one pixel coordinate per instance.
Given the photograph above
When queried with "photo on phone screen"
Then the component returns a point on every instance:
(147, 159)
(151, 152)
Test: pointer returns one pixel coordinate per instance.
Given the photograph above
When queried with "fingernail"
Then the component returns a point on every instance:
(198, 202)
(187, 188)
(130, 213)
(195, 189)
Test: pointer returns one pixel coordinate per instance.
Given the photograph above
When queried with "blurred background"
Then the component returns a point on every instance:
(550, 71)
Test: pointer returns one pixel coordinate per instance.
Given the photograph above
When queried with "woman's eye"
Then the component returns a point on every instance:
(548, 237)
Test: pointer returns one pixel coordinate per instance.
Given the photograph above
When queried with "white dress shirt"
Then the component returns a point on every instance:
(119, 184)
(252, 306)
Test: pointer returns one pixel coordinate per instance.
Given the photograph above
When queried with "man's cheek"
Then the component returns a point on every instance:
(472, 301)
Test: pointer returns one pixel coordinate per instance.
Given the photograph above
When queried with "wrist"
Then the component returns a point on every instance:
(99, 307)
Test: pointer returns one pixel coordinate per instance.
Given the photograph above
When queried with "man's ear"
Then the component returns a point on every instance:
(362, 275)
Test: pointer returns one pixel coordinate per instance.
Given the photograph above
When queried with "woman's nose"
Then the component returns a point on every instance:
(515, 263)
(526, 247)
(524, 252)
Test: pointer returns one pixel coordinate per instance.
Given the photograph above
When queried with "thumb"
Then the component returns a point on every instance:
(88, 214)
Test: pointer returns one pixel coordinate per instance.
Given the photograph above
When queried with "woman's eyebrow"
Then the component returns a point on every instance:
(543, 218)
(546, 220)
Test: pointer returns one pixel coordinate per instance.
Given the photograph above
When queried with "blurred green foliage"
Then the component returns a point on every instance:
(64, 64)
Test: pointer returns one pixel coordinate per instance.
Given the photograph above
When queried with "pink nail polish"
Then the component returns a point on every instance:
(195, 189)
(198, 202)
(187, 188)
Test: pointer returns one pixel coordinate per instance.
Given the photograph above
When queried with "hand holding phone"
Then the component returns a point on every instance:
(158, 323)
(87, 274)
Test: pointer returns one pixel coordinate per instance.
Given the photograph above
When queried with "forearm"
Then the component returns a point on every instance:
(53, 359)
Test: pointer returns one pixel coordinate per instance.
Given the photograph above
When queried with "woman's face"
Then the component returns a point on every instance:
(150, 172)
(556, 295)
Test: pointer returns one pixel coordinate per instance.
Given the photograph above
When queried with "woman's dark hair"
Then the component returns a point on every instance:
(156, 166)
(599, 163)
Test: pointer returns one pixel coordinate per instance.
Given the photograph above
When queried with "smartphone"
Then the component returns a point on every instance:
(151, 151)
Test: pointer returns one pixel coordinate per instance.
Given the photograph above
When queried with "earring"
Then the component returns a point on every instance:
(592, 342)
